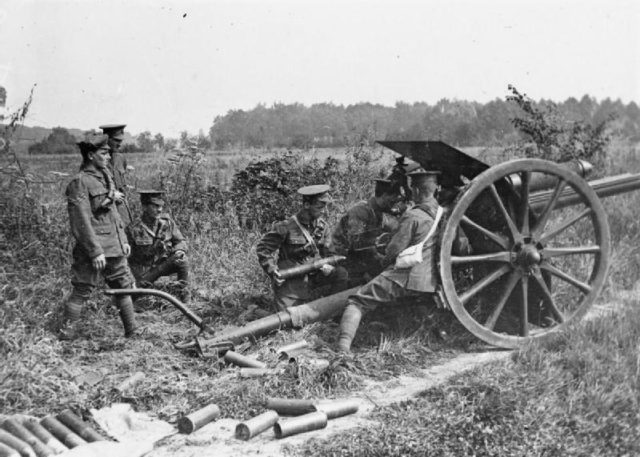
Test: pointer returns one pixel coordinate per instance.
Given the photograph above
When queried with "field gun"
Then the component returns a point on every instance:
(540, 248)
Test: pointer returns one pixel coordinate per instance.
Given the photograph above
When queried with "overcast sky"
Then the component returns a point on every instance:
(167, 66)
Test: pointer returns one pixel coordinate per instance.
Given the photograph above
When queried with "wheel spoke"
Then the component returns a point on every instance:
(585, 288)
(524, 203)
(572, 250)
(515, 234)
(509, 286)
(559, 317)
(504, 256)
(524, 309)
(546, 212)
(484, 282)
(499, 240)
(561, 228)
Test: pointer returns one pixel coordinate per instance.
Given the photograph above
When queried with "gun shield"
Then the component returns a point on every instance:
(247, 430)
(300, 424)
(194, 421)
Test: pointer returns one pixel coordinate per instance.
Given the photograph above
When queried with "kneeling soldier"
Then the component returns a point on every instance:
(299, 240)
(157, 245)
(101, 244)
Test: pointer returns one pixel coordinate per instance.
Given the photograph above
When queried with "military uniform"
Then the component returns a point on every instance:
(118, 169)
(296, 241)
(355, 236)
(98, 230)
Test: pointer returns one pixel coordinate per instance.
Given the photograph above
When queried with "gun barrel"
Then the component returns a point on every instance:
(309, 267)
(604, 187)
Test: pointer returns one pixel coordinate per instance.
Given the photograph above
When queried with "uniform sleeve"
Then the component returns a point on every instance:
(79, 209)
(268, 247)
(338, 243)
(348, 233)
(401, 239)
(178, 241)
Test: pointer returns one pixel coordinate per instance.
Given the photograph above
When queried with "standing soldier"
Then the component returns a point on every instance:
(158, 247)
(359, 231)
(298, 240)
(101, 244)
(118, 169)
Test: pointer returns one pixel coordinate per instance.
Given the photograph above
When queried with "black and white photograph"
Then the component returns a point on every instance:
(319, 228)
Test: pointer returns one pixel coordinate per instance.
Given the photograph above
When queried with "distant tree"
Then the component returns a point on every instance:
(158, 141)
(144, 141)
(59, 141)
(170, 144)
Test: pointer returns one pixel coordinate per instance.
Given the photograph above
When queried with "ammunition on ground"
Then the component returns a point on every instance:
(290, 407)
(18, 430)
(338, 408)
(242, 361)
(256, 425)
(77, 425)
(130, 382)
(256, 372)
(198, 419)
(6, 451)
(62, 432)
(15, 443)
(309, 267)
(300, 424)
(44, 435)
(292, 349)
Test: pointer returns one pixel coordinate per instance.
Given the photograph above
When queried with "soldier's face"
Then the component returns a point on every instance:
(114, 143)
(99, 158)
(389, 201)
(316, 209)
(152, 210)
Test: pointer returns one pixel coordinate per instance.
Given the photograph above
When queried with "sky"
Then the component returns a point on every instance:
(168, 66)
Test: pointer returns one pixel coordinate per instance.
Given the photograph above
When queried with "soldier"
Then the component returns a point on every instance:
(118, 169)
(298, 240)
(359, 232)
(393, 283)
(157, 245)
(101, 243)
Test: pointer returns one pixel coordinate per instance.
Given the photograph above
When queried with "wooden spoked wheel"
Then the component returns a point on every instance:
(524, 241)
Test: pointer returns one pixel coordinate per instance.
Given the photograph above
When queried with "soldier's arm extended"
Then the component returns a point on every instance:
(268, 247)
(79, 209)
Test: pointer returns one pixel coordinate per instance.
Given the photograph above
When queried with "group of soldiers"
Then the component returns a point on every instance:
(132, 253)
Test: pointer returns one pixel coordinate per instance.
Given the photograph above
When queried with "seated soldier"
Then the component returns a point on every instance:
(359, 231)
(298, 240)
(157, 246)
(393, 283)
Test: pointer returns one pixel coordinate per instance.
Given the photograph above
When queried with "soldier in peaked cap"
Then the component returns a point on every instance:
(394, 283)
(298, 240)
(360, 232)
(118, 168)
(101, 244)
(157, 245)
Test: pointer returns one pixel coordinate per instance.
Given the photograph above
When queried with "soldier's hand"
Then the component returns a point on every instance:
(118, 196)
(99, 262)
(327, 269)
(179, 254)
(127, 250)
(277, 279)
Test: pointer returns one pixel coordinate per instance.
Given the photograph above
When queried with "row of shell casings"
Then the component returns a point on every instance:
(21, 436)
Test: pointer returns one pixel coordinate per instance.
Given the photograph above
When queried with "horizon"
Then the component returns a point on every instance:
(168, 66)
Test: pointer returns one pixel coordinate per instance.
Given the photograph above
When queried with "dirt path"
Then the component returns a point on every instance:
(217, 439)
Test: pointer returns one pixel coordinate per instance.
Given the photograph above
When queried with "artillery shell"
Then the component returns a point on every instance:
(44, 435)
(84, 430)
(242, 360)
(6, 451)
(338, 408)
(300, 424)
(256, 372)
(16, 444)
(198, 419)
(292, 349)
(61, 432)
(18, 430)
(130, 381)
(291, 407)
(256, 425)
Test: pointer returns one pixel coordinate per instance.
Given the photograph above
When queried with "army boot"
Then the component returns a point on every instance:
(348, 327)
(125, 305)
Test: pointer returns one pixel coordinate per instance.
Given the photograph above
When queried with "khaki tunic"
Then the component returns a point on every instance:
(151, 244)
(118, 169)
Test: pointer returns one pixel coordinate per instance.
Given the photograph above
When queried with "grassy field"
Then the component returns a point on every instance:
(516, 407)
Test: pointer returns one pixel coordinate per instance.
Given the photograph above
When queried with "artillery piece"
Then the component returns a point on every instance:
(540, 248)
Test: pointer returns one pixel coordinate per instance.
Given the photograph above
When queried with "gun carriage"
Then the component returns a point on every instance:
(539, 257)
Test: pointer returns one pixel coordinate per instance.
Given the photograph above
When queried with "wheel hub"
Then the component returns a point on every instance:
(527, 256)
